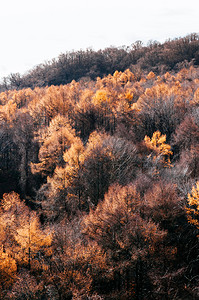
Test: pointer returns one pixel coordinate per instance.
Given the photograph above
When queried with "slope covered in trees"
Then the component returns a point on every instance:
(156, 57)
(99, 187)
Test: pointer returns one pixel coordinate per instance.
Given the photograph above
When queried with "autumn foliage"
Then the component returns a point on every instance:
(99, 184)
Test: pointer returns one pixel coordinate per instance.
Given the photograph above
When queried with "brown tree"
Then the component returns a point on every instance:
(126, 237)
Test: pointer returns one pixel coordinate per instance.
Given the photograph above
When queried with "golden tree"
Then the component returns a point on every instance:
(54, 140)
(65, 185)
(24, 240)
(8, 271)
(193, 206)
(161, 151)
(33, 241)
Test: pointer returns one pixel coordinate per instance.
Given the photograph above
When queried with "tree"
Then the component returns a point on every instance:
(125, 160)
(158, 110)
(33, 242)
(192, 208)
(187, 133)
(96, 171)
(160, 152)
(176, 265)
(23, 137)
(64, 192)
(26, 286)
(128, 240)
(8, 271)
(85, 115)
(25, 240)
(54, 140)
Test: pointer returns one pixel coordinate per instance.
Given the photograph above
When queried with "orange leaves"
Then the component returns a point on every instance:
(157, 143)
(100, 98)
(86, 100)
(115, 94)
(163, 203)
(75, 154)
(150, 76)
(95, 141)
(116, 224)
(123, 77)
(63, 177)
(11, 202)
(32, 239)
(196, 97)
(8, 270)
(161, 150)
(193, 206)
(54, 140)
(24, 237)
(8, 111)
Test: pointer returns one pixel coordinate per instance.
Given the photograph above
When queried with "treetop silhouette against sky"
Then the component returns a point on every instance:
(35, 31)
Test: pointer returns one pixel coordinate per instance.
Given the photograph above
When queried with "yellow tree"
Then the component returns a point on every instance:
(8, 112)
(193, 206)
(104, 101)
(150, 76)
(54, 140)
(161, 151)
(24, 240)
(65, 190)
(33, 241)
(8, 271)
(8, 264)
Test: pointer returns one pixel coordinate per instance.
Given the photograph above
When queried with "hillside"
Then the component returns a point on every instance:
(90, 64)
(99, 176)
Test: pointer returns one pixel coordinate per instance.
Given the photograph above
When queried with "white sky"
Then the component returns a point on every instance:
(34, 31)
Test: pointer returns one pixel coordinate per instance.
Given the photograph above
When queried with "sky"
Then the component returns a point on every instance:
(36, 31)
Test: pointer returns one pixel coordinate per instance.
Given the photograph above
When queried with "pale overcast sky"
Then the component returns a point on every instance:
(34, 31)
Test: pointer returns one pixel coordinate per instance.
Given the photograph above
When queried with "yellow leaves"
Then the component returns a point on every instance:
(75, 155)
(53, 101)
(115, 93)
(128, 95)
(100, 98)
(8, 268)
(193, 198)
(8, 111)
(150, 76)
(54, 140)
(157, 143)
(130, 75)
(31, 238)
(193, 206)
(9, 200)
(125, 100)
(158, 91)
(95, 140)
(59, 180)
(85, 102)
(116, 74)
(123, 77)
(23, 232)
(161, 150)
(95, 145)
(196, 97)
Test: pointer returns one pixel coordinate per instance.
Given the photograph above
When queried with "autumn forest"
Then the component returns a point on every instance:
(99, 175)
